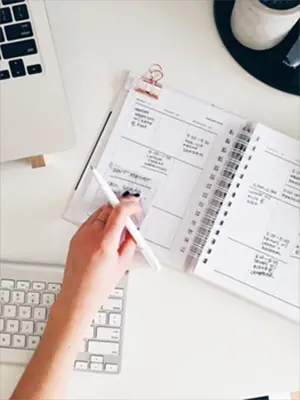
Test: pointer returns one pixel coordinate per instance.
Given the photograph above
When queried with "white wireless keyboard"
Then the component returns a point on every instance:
(27, 293)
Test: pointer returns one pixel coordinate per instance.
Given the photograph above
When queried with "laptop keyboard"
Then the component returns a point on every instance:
(19, 52)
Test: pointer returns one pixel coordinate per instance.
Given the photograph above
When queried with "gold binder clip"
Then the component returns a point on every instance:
(149, 83)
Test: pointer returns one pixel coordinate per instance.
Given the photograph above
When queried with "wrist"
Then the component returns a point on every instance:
(67, 321)
(75, 310)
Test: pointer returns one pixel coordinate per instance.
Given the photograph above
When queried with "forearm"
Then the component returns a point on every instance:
(96, 262)
(48, 372)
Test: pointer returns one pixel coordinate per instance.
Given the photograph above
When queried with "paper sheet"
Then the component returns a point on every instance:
(160, 148)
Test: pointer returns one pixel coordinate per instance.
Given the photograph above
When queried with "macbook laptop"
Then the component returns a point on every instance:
(34, 115)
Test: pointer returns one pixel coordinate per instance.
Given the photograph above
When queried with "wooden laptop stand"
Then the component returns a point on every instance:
(37, 161)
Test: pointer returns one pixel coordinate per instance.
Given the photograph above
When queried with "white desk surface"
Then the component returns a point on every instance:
(184, 338)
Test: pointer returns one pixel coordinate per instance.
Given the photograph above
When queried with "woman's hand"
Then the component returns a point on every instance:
(97, 261)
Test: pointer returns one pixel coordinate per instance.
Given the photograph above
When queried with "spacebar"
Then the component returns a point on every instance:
(15, 356)
(19, 49)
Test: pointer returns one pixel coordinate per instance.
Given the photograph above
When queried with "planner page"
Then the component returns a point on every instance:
(159, 149)
(254, 249)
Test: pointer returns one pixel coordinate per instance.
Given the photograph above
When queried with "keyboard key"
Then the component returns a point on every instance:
(6, 2)
(23, 285)
(113, 305)
(34, 69)
(19, 49)
(18, 297)
(81, 365)
(5, 339)
(40, 328)
(1, 35)
(24, 312)
(20, 12)
(9, 311)
(1, 324)
(111, 368)
(7, 283)
(33, 341)
(97, 359)
(118, 292)
(4, 296)
(27, 327)
(54, 287)
(5, 15)
(17, 68)
(108, 334)
(105, 348)
(12, 325)
(115, 319)
(96, 366)
(48, 299)
(18, 341)
(33, 298)
(4, 75)
(39, 313)
(100, 318)
(38, 286)
(82, 348)
(18, 31)
(89, 332)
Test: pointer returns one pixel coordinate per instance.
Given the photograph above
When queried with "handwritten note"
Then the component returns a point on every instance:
(291, 194)
(265, 188)
(142, 117)
(257, 198)
(157, 162)
(259, 194)
(274, 244)
(195, 145)
(263, 266)
(121, 180)
(294, 178)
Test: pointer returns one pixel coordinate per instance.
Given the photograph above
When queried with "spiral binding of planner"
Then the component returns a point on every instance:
(228, 173)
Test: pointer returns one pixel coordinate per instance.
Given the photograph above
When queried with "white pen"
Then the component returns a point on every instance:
(140, 241)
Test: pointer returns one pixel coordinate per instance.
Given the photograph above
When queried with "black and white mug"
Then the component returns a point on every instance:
(262, 24)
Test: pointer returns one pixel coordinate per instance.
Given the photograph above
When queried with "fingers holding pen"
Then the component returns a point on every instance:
(128, 207)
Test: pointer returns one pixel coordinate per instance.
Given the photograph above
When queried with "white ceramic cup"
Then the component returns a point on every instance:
(259, 27)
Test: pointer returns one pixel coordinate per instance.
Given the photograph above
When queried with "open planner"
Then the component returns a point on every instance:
(220, 195)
